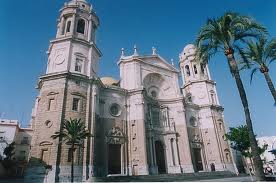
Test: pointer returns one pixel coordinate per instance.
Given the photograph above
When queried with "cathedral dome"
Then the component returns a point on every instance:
(109, 81)
(188, 52)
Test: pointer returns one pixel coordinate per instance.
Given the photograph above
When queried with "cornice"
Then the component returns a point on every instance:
(198, 81)
(72, 38)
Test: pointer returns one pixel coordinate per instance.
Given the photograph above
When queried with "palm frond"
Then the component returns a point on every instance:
(252, 73)
(73, 132)
(270, 51)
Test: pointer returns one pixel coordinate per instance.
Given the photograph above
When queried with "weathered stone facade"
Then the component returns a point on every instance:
(143, 124)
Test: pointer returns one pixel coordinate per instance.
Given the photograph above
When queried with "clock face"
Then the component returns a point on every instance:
(60, 58)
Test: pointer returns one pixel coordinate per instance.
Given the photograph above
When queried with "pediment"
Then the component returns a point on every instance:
(159, 62)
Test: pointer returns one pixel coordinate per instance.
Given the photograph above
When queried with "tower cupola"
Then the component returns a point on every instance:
(74, 49)
(192, 69)
(77, 19)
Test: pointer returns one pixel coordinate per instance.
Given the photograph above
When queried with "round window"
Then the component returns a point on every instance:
(115, 110)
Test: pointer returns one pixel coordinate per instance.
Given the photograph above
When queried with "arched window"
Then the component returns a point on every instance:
(220, 126)
(195, 69)
(81, 26)
(187, 70)
(202, 68)
(172, 149)
(227, 155)
(68, 26)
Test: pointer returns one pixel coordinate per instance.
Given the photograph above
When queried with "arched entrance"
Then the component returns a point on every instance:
(160, 157)
(115, 141)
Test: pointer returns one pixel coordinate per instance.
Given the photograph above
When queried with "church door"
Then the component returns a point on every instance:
(213, 167)
(114, 159)
(198, 159)
(160, 157)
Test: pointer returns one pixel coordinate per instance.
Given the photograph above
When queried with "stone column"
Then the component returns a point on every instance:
(72, 28)
(151, 155)
(62, 26)
(93, 121)
(184, 145)
(86, 151)
(90, 122)
(153, 151)
(168, 154)
(141, 134)
(182, 75)
(89, 30)
(176, 160)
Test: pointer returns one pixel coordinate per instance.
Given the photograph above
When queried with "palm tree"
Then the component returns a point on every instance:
(227, 34)
(257, 56)
(73, 133)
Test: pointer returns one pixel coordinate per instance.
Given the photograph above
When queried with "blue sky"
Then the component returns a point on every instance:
(27, 26)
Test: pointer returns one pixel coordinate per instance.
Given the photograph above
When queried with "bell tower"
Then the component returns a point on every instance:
(204, 115)
(69, 89)
(198, 87)
(74, 48)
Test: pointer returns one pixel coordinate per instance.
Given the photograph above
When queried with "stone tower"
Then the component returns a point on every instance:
(67, 90)
(204, 115)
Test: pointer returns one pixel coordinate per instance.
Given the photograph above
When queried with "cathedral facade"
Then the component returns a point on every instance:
(142, 124)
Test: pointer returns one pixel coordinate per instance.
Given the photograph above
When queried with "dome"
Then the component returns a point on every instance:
(109, 81)
(188, 48)
(75, 1)
(82, 3)
(188, 52)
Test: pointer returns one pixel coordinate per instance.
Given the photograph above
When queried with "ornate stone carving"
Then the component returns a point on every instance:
(115, 136)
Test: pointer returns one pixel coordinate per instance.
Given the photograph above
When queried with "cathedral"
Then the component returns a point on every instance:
(142, 124)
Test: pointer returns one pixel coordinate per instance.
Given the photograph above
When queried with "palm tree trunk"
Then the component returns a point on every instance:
(72, 163)
(247, 167)
(270, 85)
(253, 143)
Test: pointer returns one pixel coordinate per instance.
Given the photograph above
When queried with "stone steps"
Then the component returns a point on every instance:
(167, 177)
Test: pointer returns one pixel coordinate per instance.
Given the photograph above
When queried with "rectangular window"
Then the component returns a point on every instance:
(51, 104)
(78, 65)
(69, 158)
(75, 106)
(25, 140)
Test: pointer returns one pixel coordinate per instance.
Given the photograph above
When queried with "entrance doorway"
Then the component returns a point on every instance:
(160, 157)
(213, 167)
(114, 159)
(198, 159)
